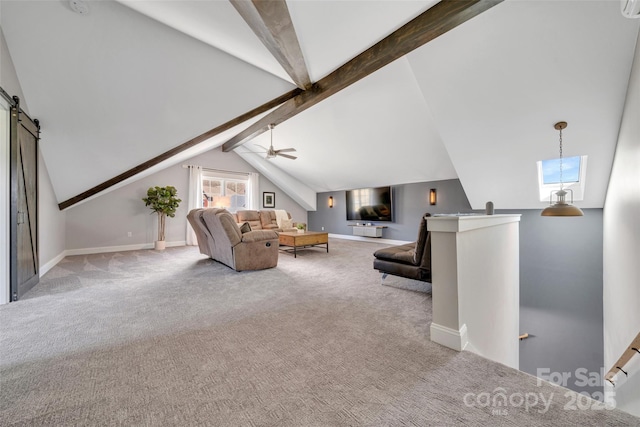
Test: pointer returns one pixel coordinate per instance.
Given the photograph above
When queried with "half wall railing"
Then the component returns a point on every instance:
(627, 365)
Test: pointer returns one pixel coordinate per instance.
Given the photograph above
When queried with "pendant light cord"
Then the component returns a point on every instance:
(561, 180)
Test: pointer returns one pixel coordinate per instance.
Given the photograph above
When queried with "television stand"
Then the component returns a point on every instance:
(367, 230)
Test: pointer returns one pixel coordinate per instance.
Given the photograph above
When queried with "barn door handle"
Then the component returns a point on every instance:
(20, 217)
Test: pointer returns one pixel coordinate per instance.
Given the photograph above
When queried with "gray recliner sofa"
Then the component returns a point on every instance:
(412, 260)
(262, 220)
(220, 237)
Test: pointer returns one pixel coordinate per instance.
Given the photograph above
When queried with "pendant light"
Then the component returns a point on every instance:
(561, 207)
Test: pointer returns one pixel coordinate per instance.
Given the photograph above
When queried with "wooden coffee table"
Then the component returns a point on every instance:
(307, 239)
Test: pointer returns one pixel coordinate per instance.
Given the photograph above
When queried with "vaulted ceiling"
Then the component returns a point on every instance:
(133, 79)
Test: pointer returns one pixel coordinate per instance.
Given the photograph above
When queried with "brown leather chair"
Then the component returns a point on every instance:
(221, 239)
(412, 260)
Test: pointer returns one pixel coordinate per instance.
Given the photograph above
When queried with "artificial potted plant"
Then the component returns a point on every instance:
(300, 226)
(164, 202)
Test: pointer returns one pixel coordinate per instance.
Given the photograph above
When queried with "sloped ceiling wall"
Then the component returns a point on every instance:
(216, 23)
(497, 85)
(116, 88)
(377, 132)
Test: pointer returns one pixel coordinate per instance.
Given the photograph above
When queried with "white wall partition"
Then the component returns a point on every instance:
(621, 285)
(9, 82)
(476, 284)
(4, 201)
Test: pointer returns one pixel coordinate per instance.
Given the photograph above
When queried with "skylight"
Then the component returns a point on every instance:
(574, 170)
(570, 170)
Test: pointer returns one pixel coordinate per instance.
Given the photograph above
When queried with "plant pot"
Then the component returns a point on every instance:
(159, 245)
(300, 230)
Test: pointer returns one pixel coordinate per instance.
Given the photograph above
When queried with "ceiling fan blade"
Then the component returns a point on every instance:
(287, 156)
(285, 150)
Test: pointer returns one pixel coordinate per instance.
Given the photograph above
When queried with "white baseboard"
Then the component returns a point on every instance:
(52, 263)
(448, 337)
(369, 239)
(105, 249)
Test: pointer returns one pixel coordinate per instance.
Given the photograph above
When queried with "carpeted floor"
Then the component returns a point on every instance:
(172, 338)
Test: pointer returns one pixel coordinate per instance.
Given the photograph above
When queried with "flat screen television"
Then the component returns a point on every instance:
(370, 204)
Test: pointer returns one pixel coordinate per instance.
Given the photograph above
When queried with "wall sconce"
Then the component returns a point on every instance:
(432, 196)
(330, 201)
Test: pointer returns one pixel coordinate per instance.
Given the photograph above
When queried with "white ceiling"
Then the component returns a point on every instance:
(116, 88)
(517, 70)
(358, 139)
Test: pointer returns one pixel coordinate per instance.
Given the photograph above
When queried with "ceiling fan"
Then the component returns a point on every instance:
(271, 152)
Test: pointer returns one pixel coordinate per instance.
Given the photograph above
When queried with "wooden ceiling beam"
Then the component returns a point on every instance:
(436, 21)
(180, 148)
(271, 22)
(439, 19)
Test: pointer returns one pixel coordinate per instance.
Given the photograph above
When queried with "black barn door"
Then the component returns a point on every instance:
(24, 203)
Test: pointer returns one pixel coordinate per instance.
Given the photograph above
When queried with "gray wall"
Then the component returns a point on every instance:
(561, 294)
(51, 222)
(8, 75)
(560, 274)
(410, 202)
(107, 220)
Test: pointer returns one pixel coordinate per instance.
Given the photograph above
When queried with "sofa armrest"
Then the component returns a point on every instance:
(256, 255)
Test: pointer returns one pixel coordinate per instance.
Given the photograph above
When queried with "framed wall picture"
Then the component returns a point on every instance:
(268, 200)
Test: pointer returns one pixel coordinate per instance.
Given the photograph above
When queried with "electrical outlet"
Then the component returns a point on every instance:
(129, 234)
(322, 228)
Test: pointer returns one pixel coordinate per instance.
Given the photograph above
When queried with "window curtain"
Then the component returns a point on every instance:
(254, 191)
(195, 199)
